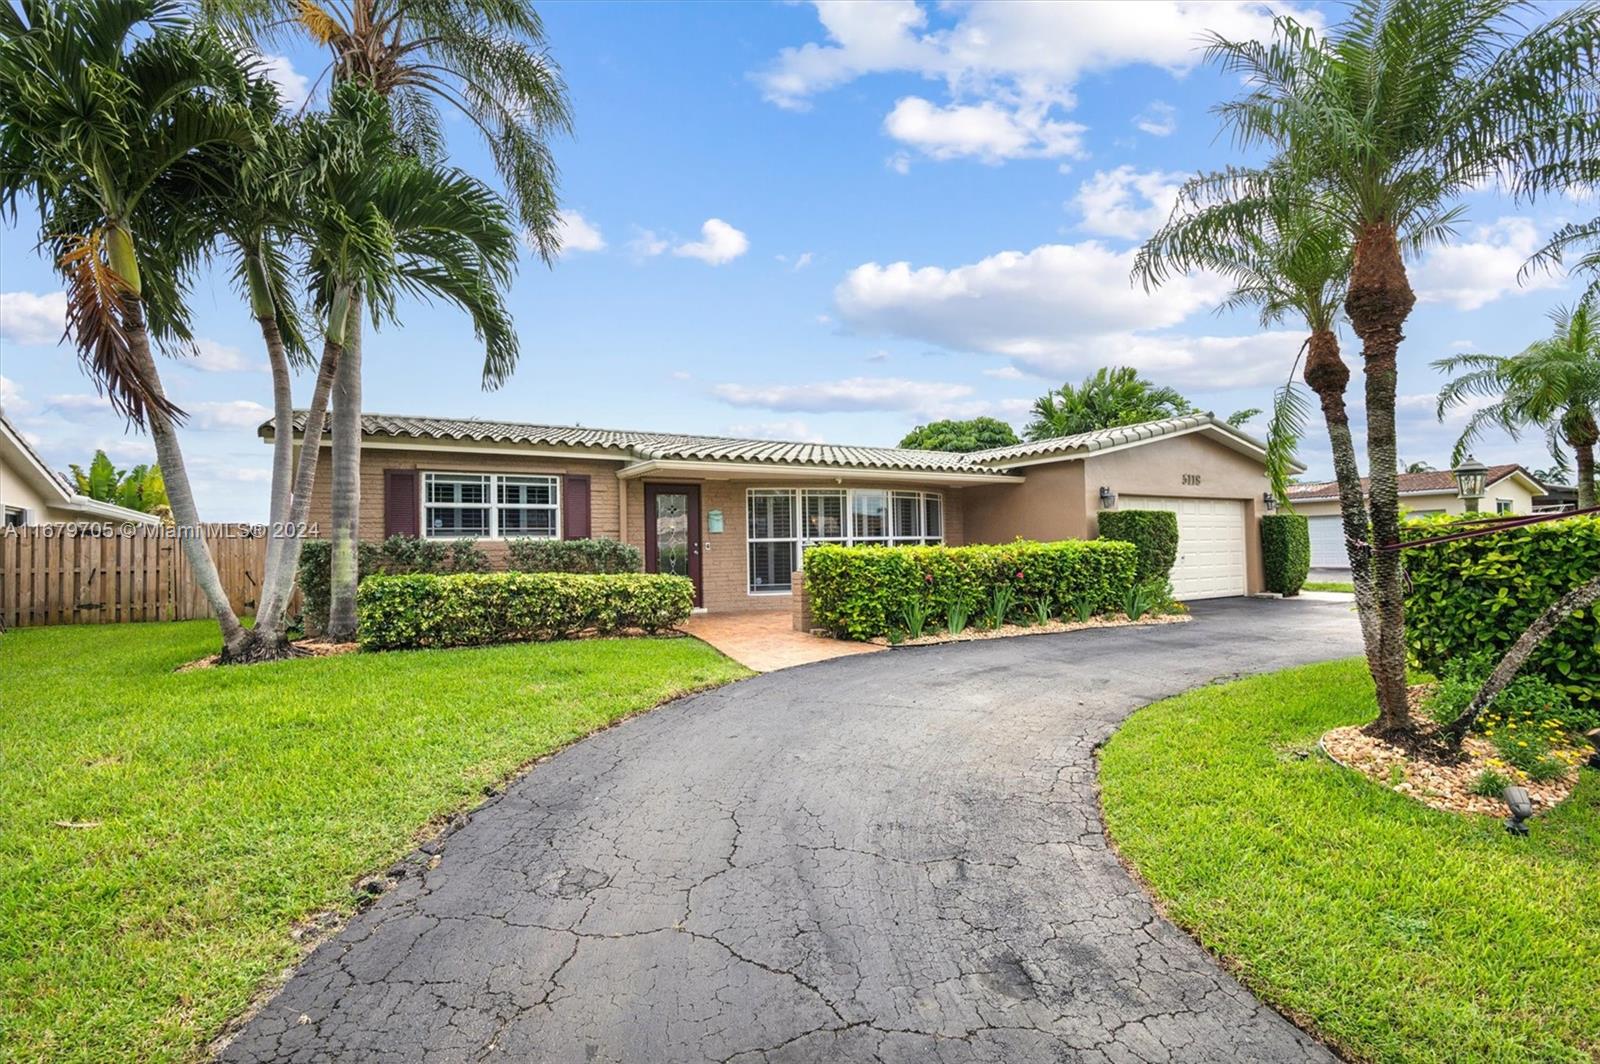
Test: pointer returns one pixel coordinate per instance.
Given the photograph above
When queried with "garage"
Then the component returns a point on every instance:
(1211, 544)
(1327, 542)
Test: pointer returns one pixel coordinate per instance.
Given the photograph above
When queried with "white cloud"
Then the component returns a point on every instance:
(1159, 119)
(1008, 69)
(79, 403)
(1471, 274)
(986, 131)
(802, 260)
(33, 318)
(899, 162)
(578, 233)
(719, 243)
(1126, 202)
(793, 430)
(11, 401)
(646, 244)
(228, 414)
(1005, 373)
(293, 86)
(853, 393)
(214, 357)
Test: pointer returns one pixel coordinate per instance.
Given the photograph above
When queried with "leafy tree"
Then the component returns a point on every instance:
(140, 488)
(1106, 399)
(975, 434)
(1418, 467)
(1553, 384)
(112, 116)
(1384, 125)
(486, 60)
(1239, 417)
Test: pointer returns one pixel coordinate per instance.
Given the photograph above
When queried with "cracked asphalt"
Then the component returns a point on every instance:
(891, 857)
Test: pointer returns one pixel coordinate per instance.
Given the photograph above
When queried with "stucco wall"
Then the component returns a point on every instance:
(15, 491)
(1047, 505)
(1451, 503)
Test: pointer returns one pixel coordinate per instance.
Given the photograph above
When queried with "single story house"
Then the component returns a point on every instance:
(1508, 489)
(31, 493)
(735, 514)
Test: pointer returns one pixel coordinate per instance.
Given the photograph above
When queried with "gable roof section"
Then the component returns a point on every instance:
(1434, 482)
(20, 455)
(664, 447)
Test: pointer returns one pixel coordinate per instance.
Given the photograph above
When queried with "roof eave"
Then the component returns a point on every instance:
(730, 470)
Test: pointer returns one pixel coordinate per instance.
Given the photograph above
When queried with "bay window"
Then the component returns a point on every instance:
(490, 506)
(782, 522)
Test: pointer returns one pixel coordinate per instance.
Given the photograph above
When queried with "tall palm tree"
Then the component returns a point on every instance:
(1291, 261)
(111, 116)
(1106, 398)
(1406, 106)
(378, 223)
(1553, 384)
(485, 59)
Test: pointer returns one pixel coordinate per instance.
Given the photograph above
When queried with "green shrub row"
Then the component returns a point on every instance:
(1471, 599)
(574, 556)
(397, 554)
(864, 592)
(475, 609)
(1285, 551)
(1154, 532)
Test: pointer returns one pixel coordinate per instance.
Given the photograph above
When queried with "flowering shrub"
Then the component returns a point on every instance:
(864, 592)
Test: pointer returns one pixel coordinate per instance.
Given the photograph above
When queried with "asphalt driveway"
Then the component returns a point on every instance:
(892, 857)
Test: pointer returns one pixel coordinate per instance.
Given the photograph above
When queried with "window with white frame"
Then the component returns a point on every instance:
(782, 522)
(490, 506)
(1503, 506)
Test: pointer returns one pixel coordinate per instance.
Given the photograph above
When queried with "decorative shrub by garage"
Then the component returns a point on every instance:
(476, 609)
(1154, 532)
(397, 554)
(574, 556)
(862, 592)
(1472, 598)
(1285, 551)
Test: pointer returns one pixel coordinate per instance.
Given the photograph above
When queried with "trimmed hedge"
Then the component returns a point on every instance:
(574, 556)
(475, 609)
(397, 554)
(861, 592)
(1285, 551)
(1154, 532)
(1474, 597)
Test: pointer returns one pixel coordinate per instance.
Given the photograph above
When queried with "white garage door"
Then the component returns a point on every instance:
(1210, 544)
(1327, 542)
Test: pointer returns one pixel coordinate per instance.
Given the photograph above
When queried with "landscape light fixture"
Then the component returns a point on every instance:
(1108, 498)
(1470, 477)
(1521, 806)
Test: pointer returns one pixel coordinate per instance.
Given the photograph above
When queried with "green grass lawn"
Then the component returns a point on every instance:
(1329, 585)
(227, 804)
(1397, 932)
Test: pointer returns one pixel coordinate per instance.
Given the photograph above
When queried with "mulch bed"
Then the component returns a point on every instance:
(1048, 628)
(310, 648)
(1446, 783)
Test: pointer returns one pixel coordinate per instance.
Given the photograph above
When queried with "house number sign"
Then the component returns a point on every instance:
(1191, 480)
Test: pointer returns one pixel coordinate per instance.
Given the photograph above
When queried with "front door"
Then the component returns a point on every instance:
(672, 532)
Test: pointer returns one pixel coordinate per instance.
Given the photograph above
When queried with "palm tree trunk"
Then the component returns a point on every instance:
(345, 574)
(1536, 633)
(180, 495)
(282, 459)
(1582, 435)
(1328, 377)
(1377, 303)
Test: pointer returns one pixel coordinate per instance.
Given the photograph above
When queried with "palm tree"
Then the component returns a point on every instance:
(113, 115)
(378, 223)
(1106, 399)
(1553, 384)
(487, 60)
(1289, 261)
(1386, 123)
(140, 488)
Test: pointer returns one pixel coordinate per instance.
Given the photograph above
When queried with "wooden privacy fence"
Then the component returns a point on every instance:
(105, 574)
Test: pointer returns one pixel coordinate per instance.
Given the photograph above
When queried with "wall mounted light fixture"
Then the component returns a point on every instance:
(1108, 499)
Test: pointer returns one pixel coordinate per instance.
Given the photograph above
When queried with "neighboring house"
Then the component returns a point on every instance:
(734, 514)
(1557, 498)
(1507, 489)
(32, 494)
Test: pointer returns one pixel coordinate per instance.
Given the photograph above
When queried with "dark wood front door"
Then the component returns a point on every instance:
(672, 532)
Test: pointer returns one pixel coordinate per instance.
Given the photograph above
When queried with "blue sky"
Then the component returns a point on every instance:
(828, 222)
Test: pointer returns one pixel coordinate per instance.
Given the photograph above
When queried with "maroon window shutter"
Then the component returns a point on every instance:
(401, 515)
(575, 507)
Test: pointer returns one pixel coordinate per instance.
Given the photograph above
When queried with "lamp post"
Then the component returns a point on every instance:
(1470, 477)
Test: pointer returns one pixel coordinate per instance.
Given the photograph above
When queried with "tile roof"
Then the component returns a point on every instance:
(1437, 480)
(667, 446)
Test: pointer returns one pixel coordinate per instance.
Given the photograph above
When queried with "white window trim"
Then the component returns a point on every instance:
(848, 538)
(491, 503)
